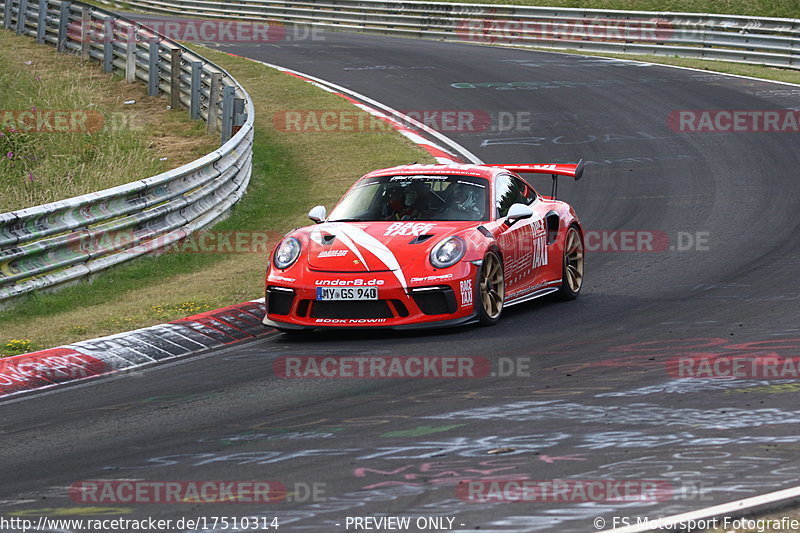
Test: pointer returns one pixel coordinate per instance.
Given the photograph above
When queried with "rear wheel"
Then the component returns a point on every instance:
(491, 289)
(572, 271)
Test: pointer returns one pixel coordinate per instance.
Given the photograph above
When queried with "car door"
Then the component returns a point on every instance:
(524, 242)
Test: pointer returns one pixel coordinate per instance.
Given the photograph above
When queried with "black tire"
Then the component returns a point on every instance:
(490, 290)
(572, 265)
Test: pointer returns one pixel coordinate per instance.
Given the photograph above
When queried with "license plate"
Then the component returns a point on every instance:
(347, 293)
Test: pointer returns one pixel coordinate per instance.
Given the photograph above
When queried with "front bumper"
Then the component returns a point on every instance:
(436, 299)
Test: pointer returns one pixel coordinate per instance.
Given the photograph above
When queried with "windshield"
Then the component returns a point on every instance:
(434, 198)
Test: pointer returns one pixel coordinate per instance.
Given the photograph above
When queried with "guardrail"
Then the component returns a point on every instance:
(48, 245)
(765, 41)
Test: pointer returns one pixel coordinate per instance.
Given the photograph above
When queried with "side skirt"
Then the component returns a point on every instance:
(536, 292)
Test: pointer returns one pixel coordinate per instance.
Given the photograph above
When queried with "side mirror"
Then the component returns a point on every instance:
(318, 214)
(518, 212)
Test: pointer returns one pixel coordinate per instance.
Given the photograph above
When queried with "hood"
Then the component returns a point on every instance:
(374, 246)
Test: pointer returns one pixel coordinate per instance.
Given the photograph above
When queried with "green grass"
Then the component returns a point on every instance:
(291, 173)
(17, 346)
(97, 141)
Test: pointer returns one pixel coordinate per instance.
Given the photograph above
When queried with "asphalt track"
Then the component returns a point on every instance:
(596, 401)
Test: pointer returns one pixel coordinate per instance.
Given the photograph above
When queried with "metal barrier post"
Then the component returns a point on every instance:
(41, 22)
(63, 25)
(108, 44)
(22, 16)
(86, 33)
(175, 78)
(130, 55)
(212, 124)
(154, 71)
(7, 15)
(194, 105)
(228, 94)
(239, 115)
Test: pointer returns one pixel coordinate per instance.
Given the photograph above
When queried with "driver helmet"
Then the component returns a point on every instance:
(393, 199)
(465, 198)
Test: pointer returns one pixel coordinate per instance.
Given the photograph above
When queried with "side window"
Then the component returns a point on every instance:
(508, 191)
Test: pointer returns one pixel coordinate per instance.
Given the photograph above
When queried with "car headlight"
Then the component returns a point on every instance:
(448, 252)
(287, 253)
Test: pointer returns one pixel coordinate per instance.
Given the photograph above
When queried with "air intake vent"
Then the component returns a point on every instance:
(279, 300)
(355, 309)
(420, 239)
(435, 300)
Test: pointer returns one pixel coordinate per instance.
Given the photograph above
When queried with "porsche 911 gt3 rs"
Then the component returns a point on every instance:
(427, 245)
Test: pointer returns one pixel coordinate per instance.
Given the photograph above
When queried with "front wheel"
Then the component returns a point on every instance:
(491, 290)
(572, 270)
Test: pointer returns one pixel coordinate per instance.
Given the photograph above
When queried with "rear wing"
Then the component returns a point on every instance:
(554, 169)
(573, 171)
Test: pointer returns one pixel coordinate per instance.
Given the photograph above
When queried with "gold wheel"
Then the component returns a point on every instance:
(491, 287)
(572, 279)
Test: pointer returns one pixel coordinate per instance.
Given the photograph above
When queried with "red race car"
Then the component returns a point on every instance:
(427, 245)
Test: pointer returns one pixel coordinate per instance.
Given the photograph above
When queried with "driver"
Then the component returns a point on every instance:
(465, 200)
(400, 204)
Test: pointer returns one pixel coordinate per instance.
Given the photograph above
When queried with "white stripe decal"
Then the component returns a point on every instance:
(377, 248)
(316, 236)
(342, 235)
